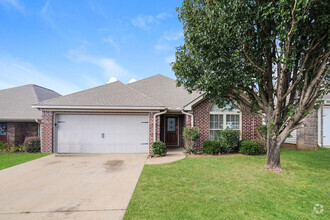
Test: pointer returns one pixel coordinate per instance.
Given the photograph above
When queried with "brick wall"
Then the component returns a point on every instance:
(250, 123)
(47, 132)
(202, 121)
(18, 131)
(151, 129)
(307, 137)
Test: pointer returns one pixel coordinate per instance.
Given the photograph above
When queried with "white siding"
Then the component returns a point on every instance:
(292, 139)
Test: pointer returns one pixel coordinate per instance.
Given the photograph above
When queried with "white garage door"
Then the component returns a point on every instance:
(326, 127)
(102, 134)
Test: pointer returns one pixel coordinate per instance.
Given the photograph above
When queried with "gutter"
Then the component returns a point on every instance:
(191, 117)
(98, 107)
(155, 115)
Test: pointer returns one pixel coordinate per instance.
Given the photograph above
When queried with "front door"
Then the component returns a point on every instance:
(171, 128)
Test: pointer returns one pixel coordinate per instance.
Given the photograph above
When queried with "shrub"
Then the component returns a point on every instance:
(3, 146)
(212, 147)
(15, 149)
(249, 147)
(229, 139)
(190, 135)
(159, 148)
(32, 145)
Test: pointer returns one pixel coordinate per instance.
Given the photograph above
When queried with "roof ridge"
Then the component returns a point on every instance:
(78, 92)
(144, 95)
(35, 85)
(152, 77)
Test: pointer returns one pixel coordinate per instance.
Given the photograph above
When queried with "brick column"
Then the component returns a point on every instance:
(47, 132)
(202, 121)
(307, 137)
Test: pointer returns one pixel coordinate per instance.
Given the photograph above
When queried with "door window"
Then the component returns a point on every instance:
(170, 124)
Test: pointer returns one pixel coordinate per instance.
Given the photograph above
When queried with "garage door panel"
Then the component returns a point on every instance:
(102, 134)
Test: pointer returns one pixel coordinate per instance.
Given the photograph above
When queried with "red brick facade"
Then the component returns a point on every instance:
(202, 121)
(47, 132)
(17, 132)
(151, 129)
(249, 122)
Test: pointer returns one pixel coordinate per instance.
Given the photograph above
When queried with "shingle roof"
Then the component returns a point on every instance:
(114, 94)
(165, 91)
(16, 103)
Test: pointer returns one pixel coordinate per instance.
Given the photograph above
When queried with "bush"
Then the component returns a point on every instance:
(249, 147)
(212, 147)
(229, 140)
(32, 145)
(159, 148)
(15, 149)
(3, 146)
(190, 135)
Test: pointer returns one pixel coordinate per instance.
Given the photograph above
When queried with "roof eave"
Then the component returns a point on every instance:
(99, 107)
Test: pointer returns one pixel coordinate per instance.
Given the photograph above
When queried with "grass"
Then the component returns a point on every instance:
(13, 159)
(234, 187)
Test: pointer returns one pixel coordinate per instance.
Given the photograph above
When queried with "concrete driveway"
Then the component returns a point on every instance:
(84, 186)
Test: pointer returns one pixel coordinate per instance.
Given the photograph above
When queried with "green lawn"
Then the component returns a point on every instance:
(234, 187)
(12, 159)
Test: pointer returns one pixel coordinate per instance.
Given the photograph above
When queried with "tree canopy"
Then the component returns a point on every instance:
(270, 56)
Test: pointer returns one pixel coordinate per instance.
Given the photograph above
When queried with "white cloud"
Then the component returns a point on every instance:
(112, 79)
(165, 43)
(16, 72)
(132, 80)
(111, 42)
(145, 21)
(45, 7)
(108, 65)
(170, 59)
(13, 3)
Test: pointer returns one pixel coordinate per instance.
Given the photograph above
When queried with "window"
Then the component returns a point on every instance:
(3, 128)
(223, 119)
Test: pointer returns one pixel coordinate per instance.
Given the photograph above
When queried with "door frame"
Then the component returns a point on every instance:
(165, 129)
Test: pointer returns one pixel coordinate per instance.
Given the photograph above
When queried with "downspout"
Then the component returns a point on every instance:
(155, 115)
(191, 117)
(39, 128)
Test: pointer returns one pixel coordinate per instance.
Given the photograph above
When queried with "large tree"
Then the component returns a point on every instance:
(269, 56)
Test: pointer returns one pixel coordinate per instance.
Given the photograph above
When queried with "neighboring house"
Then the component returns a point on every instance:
(128, 118)
(18, 120)
(316, 131)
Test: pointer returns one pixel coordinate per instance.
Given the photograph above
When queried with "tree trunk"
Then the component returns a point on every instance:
(273, 155)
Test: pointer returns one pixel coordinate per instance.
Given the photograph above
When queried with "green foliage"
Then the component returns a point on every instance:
(16, 149)
(249, 147)
(229, 139)
(190, 135)
(32, 145)
(159, 148)
(212, 147)
(3, 146)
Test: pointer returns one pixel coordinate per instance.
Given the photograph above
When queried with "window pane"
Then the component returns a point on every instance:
(3, 128)
(170, 124)
(232, 122)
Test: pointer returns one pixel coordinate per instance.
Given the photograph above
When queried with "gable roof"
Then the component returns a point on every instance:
(16, 103)
(114, 95)
(165, 91)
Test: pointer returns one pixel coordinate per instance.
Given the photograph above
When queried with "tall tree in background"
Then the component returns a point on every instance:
(269, 56)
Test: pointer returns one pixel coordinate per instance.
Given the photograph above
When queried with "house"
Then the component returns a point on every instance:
(128, 118)
(18, 120)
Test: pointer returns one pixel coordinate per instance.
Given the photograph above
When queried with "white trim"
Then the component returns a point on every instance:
(191, 117)
(155, 115)
(98, 107)
(224, 120)
(189, 106)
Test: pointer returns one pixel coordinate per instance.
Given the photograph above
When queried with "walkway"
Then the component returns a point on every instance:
(173, 154)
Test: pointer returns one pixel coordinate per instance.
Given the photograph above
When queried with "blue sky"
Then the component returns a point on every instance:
(73, 45)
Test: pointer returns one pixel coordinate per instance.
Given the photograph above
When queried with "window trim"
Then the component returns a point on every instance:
(225, 113)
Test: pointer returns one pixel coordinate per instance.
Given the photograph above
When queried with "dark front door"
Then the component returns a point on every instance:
(171, 131)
